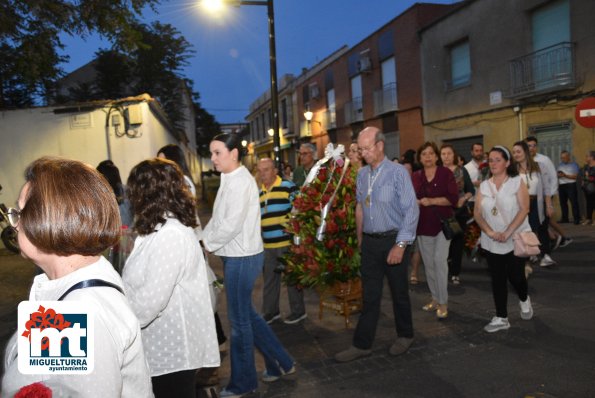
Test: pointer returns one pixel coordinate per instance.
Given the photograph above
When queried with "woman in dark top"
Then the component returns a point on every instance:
(466, 191)
(437, 194)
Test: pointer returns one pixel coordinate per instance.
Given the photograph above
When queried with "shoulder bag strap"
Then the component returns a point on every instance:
(90, 283)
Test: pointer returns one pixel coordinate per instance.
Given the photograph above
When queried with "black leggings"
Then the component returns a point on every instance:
(505, 267)
(177, 384)
(457, 245)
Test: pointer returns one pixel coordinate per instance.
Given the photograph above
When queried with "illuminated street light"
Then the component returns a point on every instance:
(218, 4)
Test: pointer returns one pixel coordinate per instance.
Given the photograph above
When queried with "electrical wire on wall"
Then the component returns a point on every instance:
(116, 121)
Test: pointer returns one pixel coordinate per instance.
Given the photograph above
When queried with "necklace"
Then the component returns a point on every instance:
(371, 181)
(495, 209)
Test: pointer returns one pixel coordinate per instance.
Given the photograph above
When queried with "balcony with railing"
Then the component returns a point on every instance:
(385, 99)
(354, 111)
(545, 70)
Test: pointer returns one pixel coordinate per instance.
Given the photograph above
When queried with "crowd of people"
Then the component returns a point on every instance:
(162, 304)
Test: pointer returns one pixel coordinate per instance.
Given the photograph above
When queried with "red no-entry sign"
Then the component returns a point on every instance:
(585, 112)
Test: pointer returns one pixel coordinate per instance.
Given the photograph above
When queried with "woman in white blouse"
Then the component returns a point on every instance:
(531, 175)
(67, 216)
(166, 280)
(234, 234)
(501, 208)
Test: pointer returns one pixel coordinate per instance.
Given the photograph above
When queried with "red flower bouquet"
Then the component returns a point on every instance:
(35, 390)
(323, 224)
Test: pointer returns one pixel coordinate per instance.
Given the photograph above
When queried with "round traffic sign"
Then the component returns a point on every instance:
(585, 112)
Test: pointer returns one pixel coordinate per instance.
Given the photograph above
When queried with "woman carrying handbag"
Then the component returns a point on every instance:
(501, 209)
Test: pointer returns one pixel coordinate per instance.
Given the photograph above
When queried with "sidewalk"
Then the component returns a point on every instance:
(548, 356)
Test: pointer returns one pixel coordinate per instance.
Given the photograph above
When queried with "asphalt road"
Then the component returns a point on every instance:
(552, 355)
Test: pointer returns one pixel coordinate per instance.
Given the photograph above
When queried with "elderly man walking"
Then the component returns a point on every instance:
(386, 220)
(276, 198)
(308, 157)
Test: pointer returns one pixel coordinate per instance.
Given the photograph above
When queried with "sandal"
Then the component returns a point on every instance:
(430, 306)
(413, 280)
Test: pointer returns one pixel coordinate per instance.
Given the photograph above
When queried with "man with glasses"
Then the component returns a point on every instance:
(386, 216)
(308, 157)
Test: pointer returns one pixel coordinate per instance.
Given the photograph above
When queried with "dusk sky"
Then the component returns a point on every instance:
(230, 67)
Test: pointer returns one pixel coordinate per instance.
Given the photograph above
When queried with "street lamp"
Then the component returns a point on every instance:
(308, 115)
(213, 4)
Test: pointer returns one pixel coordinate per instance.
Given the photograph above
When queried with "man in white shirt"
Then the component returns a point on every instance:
(472, 167)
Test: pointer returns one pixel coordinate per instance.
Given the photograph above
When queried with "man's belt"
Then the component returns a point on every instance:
(382, 235)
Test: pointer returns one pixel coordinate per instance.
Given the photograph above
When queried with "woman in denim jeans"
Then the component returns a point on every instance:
(233, 233)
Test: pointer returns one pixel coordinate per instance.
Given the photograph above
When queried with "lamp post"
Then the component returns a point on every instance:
(273, 70)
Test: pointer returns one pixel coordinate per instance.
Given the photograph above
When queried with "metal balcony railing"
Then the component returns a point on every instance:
(548, 69)
(354, 111)
(385, 99)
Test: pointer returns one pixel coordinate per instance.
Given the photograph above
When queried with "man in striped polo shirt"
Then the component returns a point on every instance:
(276, 198)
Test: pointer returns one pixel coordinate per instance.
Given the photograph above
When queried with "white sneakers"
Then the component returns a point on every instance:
(496, 324)
(526, 309)
(546, 261)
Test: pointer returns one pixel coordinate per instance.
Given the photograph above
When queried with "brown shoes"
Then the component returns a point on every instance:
(351, 354)
(400, 346)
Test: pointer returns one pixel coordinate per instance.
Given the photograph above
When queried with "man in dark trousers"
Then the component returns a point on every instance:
(386, 218)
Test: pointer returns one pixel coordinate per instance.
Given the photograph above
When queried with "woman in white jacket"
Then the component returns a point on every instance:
(234, 234)
(67, 216)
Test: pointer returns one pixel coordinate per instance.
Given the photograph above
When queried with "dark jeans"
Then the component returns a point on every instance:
(177, 384)
(374, 269)
(568, 192)
(544, 236)
(505, 267)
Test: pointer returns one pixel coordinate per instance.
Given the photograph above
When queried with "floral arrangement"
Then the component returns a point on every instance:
(472, 234)
(324, 249)
(35, 390)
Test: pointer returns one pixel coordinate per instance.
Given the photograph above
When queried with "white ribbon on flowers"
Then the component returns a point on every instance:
(329, 152)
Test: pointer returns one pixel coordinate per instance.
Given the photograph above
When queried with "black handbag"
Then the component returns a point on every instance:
(451, 228)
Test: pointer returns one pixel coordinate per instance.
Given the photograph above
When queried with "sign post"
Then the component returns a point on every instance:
(585, 112)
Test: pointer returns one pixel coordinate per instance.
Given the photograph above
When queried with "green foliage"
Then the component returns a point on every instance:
(30, 38)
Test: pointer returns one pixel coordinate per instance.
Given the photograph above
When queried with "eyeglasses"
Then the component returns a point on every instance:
(304, 153)
(532, 145)
(362, 150)
(13, 216)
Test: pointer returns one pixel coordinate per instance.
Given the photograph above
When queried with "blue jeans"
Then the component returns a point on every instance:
(248, 329)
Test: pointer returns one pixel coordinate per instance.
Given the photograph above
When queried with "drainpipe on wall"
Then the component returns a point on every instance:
(519, 114)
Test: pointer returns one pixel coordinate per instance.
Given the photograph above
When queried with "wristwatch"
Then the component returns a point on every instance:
(402, 244)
